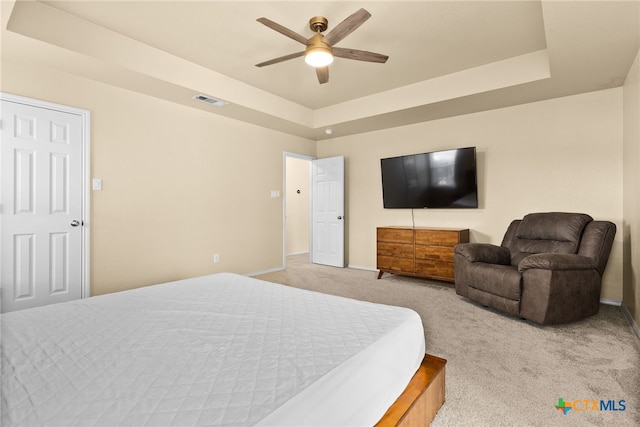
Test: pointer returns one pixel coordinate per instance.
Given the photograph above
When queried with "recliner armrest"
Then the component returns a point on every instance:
(546, 261)
(484, 252)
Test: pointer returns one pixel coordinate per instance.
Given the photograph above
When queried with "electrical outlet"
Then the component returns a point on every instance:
(216, 258)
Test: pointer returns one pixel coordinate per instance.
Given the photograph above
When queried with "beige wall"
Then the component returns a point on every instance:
(631, 191)
(563, 154)
(179, 184)
(297, 224)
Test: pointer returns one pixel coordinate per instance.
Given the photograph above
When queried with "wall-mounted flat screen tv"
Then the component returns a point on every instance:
(439, 179)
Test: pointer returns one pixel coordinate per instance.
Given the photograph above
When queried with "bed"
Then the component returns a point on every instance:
(223, 349)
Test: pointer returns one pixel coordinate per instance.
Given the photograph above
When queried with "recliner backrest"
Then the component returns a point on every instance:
(597, 241)
(548, 232)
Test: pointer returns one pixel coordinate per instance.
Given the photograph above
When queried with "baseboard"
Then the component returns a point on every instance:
(626, 313)
(258, 273)
(297, 253)
(361, 267)
(632, 322)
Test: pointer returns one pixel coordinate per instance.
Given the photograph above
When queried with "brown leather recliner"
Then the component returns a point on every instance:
(548, 268)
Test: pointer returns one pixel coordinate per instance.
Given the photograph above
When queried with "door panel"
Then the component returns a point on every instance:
(328, 211)
(42, 160)
(24, 273)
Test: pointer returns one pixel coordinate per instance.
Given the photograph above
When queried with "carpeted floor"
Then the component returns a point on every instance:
(502, 371)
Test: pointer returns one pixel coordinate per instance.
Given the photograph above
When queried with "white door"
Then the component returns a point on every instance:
(327, 217)
(41, 200)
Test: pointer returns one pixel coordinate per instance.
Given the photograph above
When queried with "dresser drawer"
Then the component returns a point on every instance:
(397, 235)
(395, 264)
(401, 250)
(436, 253)
(437, 237)
(436, 269)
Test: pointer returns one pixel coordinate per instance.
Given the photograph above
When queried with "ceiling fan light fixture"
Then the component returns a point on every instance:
(318, 58)
(318, 53)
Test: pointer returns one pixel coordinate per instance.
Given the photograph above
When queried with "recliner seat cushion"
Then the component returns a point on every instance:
(501, 280)
(517, 257)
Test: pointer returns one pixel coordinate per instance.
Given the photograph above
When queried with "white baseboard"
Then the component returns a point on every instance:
(297, 253)
(626, 313)
(258, 273)
(632, 322)
(361, 267)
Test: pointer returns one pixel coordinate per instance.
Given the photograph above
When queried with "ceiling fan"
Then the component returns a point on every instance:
(321, 48)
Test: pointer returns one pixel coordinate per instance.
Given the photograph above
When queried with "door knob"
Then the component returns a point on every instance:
(75, 223)
(340, 217)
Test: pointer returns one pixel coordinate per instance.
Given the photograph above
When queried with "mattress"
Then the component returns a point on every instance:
(222, 349)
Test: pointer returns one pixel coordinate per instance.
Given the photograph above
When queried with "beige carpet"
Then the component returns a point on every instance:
(502, 371)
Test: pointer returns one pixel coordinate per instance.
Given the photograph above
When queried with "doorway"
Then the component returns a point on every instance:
(313, 220)
(297, 205)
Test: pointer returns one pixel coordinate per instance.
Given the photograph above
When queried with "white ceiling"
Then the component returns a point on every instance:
(445, 57)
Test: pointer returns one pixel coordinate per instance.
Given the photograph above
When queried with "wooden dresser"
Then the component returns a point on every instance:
(420, 252)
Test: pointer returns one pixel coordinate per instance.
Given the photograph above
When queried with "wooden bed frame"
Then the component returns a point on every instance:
(423, 397)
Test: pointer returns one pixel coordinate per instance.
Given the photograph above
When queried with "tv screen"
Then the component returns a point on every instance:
(439, 179)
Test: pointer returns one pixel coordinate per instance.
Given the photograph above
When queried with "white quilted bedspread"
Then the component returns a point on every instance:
(215, 350)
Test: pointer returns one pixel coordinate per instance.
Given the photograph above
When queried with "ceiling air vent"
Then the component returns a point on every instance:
(210, 100)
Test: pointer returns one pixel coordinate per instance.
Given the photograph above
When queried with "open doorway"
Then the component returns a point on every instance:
(297, 205)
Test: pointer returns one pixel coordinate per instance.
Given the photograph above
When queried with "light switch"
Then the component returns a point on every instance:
(275, 194)
(96, 184)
